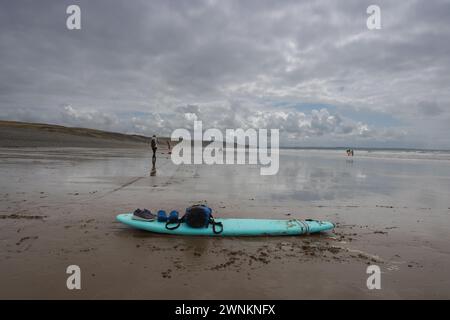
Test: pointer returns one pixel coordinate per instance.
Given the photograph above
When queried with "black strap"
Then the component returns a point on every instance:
(178, 223)
(214, 224)
(217, 224)
(173, 227)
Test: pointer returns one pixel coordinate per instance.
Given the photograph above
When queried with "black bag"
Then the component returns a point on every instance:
(198, 216)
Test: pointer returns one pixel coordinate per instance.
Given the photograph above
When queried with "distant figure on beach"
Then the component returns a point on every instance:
(350, 152)
(168, 146)
(154, 145)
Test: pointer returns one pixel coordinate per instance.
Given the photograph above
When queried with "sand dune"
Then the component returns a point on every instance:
(23, 134)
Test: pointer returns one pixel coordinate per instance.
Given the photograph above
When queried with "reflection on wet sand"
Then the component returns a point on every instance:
(153, 170)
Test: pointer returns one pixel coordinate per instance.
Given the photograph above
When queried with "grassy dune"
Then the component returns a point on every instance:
(24, 134)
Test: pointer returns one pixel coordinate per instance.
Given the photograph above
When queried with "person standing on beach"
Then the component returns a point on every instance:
(154, 145)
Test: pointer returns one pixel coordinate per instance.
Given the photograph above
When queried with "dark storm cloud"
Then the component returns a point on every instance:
(152, 66)
(429, 108)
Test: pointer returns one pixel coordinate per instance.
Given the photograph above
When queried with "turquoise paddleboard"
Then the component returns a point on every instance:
(235, 227)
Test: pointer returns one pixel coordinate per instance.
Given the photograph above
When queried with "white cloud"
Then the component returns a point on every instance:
(294, 126)
(88, 118)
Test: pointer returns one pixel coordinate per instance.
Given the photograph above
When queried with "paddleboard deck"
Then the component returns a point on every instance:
(235, 227)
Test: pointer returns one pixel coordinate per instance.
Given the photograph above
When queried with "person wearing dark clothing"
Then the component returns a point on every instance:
(154, 145)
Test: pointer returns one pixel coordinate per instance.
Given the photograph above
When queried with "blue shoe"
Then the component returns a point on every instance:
(162, 216)
(173, 216)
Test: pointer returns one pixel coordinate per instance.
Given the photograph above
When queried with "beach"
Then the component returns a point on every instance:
(58, 208)
(341, 112)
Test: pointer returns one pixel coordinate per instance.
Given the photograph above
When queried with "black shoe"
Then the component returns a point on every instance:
(143, 215)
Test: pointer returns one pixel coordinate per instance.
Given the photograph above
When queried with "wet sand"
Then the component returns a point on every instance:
(58, 208)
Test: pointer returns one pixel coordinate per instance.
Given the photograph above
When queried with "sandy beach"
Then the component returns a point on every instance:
(58, 208)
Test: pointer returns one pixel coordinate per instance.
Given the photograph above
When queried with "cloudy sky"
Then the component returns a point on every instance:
(309, 68)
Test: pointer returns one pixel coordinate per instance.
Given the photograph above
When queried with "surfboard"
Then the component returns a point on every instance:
(235, 227)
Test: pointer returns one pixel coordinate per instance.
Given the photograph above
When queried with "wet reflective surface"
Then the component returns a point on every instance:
(58, 207)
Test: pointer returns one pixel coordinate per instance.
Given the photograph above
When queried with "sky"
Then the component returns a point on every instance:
(311, 69)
